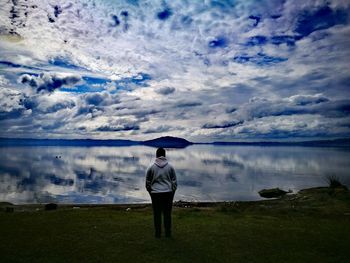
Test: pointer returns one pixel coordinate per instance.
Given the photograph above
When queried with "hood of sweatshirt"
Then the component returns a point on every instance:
(161, 161)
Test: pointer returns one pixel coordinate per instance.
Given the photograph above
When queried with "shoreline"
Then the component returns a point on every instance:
(308, 196)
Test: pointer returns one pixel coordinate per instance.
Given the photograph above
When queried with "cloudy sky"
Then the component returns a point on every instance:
(202, 70)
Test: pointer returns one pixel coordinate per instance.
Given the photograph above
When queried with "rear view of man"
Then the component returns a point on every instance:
(161, 183)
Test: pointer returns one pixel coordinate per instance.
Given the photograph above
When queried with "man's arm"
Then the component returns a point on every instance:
(149, 178)
(173, 179)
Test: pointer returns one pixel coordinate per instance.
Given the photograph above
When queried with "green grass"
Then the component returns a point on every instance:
(199, 235)
(311, 226)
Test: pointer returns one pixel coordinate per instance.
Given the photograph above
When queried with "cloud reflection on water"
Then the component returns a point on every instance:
(205, 172)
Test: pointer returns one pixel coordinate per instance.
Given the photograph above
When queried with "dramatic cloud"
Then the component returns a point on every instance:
(203, 70)
(162, 128)
(49, 82)
(11, 104)
(124, 127)
(296, 116)
(258, 108)
(101, 99)
(166, 90)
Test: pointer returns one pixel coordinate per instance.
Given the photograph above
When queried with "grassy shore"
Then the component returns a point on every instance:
(313, 226)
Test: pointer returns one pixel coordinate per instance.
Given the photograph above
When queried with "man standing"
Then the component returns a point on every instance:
(161, 183)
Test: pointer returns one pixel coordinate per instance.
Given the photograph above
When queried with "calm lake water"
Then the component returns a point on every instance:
(205, 172)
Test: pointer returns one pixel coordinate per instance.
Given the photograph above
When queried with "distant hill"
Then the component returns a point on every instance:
(62, 142)
(317, 143)
(168, 142)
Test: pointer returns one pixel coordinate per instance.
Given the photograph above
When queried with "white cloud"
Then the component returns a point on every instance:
(198, 63)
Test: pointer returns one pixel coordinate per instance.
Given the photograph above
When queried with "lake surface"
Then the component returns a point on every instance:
(204, 172)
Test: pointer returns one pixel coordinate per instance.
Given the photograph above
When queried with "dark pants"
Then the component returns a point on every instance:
(162, 204)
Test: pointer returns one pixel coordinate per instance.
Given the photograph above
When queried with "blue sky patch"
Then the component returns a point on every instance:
(83, 89)
(139, 80)
(218, 42)
(260, 59)
(164, 14)
(256, 19)
(57, 10)
(116, 21)
(283, 39)
(10, 64)
(223, 5)
(257, 41)
(94, 80)
(91, 84)
(64, 63)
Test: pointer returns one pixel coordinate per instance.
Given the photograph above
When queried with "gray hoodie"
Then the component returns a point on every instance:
(161, 177)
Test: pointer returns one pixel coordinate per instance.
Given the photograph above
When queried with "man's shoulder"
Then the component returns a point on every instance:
(170, 166)
(150, 167)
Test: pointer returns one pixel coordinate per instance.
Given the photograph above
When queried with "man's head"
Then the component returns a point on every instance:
(160, 152)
